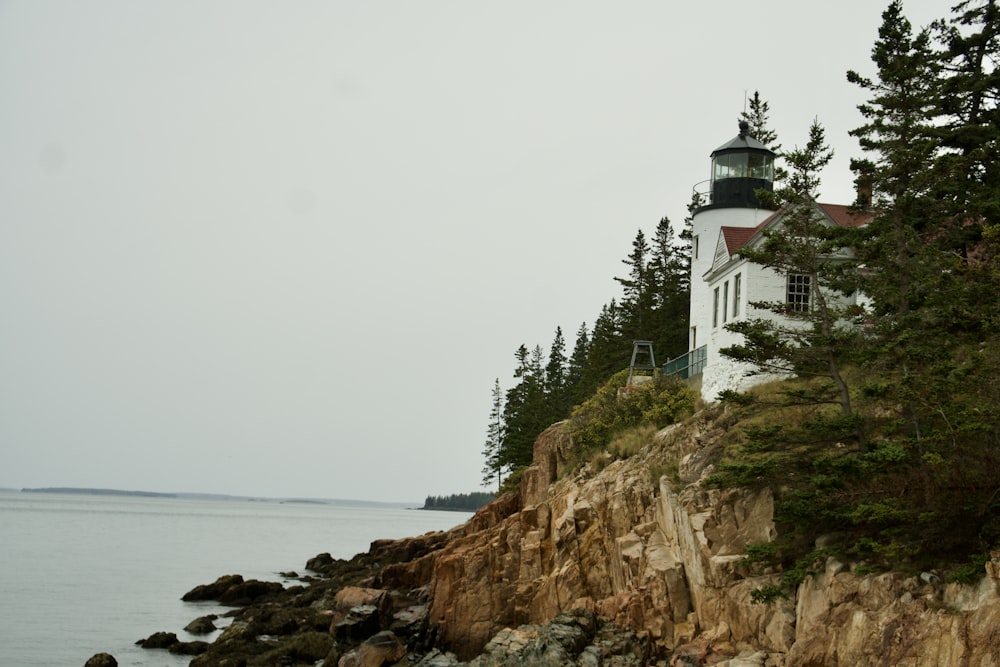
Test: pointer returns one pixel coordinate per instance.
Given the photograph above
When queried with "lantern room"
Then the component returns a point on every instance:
(739, 168)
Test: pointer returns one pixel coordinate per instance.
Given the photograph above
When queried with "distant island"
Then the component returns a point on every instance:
(100, 492)
(213, 496)
(458, 502)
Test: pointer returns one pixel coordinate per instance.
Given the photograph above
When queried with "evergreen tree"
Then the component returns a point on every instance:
(577, 364)
(556, 380)
(900, 244)
(813, 337)
(968, 118)
(609, 351)
(669, 278)
(930, 140)
(637, 302)
(524, 412)
(492, 468)
(758, 119)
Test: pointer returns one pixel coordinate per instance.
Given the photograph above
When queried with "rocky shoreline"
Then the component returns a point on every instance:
(372, 610)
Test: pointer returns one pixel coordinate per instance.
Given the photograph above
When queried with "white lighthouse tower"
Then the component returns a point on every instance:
(719, 287)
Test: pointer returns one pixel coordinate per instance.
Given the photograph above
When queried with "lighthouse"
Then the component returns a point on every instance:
(724, 284)
(730, 213)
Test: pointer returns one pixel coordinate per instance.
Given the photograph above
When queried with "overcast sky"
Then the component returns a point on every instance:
(284, 248)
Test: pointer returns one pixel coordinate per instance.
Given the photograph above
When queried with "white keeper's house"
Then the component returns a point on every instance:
(722, 283)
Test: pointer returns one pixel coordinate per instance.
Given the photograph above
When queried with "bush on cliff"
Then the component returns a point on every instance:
(616, 408)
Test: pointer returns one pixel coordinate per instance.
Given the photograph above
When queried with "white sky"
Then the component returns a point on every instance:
(284, 248)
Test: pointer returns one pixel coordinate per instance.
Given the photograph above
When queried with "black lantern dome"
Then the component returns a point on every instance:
(739, 168)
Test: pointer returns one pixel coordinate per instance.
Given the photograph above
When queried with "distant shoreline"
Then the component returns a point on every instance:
(70, 490)
(100, 492)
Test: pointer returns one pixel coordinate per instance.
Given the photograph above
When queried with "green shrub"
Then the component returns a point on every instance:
(624, 418)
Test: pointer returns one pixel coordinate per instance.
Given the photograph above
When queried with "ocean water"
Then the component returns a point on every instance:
(83, 574)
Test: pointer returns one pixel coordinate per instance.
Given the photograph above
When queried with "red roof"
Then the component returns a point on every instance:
(737, 237)
(842, 216)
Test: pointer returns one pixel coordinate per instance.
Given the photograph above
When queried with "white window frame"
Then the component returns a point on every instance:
(798, 292)
(737, 294)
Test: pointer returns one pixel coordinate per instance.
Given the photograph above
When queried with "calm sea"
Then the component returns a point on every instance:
(84, 574)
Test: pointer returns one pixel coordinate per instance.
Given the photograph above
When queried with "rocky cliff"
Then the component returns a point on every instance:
(643, 545)
(622, 562)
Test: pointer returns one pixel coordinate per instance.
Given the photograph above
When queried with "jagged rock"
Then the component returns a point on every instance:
(102, 660)
(437, 658)
(667, 562)
(232, 590)
(320, 563)
(202, 625)
(571, 639)
(359, 622)
(306, 648)
(409, 621)
(188, 648)
(383, 648)
(158, 640)
(214, 590)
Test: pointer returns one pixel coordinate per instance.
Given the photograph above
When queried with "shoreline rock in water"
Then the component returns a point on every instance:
(588, 567)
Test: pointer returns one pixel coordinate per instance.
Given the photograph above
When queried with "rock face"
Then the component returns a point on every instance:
(663, 557)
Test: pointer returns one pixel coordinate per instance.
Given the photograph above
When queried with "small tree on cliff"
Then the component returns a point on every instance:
(492, 467)
(524, 412)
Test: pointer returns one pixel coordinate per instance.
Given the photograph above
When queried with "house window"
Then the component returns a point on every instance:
(694, 247)
(797, 294)
(725, 301)
(694, 338)
(736, 294)
(715, 308)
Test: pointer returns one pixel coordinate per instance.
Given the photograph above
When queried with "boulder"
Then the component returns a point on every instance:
(214, 590)
(249, 591)
(188, 648)
(201, 625)
(380, 649)
(320, 563)
(359, 623)
(102, 660)
(232, 590)
(158, 640)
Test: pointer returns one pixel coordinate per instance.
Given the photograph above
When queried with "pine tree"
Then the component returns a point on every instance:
(968, 117)
(492, 468)
(556, 381)
(577, 364)
(609, 350)
(908, 270)
(524, 412)
(758, 119)
(637, 302)
(813, 337)
(669, 278)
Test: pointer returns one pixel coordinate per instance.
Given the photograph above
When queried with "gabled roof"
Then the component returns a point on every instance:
(838, 214)
(737, 237)
(844, 216)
